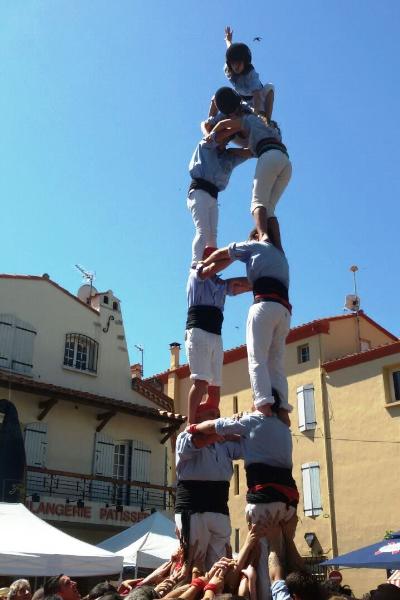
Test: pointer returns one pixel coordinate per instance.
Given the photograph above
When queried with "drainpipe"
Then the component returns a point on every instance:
(328, 453)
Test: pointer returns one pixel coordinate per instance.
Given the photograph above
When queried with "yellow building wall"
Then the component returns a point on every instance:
(343, 337)
(365, 434)
(72, 428)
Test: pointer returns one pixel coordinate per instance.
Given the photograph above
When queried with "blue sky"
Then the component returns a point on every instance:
(100, 104)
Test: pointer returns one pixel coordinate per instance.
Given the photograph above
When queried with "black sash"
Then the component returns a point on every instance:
(265, 478)
(208, 318)
(270, 144)
(202, 496)
(203, 184)
(270, 285)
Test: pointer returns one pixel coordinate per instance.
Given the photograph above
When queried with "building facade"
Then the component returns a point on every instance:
(344, 385)
(95, 437)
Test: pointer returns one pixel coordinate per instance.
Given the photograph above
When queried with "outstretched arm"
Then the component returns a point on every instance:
(206, 427)
(238, 285)
(214, 268)
(222, 254)
(228, 36)
(226, 128)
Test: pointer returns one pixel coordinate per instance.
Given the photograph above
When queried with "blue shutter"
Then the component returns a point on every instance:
(306, 407)
(311, 489)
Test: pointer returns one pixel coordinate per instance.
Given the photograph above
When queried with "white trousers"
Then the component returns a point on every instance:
(205, 355)
(260, 512)
(268, 325)
(204, 209)
(212, 531)
(273, 172)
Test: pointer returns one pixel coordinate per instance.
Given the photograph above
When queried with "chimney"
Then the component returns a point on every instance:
(174, 356)
(136, 371)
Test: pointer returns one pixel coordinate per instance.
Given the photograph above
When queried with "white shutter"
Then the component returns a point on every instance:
(36, 444)
(23, 347)
(311, 489)
(301, 408)
(7, 331)
(103, 464)
(306, 407)
(140, 470)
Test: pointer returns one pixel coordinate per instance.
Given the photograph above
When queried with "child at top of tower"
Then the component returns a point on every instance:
(245, 79)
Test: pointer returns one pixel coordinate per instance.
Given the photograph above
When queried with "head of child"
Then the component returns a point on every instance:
(238, 58)
(228, 102)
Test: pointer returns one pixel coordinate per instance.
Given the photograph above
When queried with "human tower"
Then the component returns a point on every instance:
(242, 115)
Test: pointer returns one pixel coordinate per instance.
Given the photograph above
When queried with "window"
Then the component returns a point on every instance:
(306, 407)
(237, 540)
(311, 489)
(16, 344)
(395, 385)
(236, 479)
(115, 305)
(81, 352)
(105, 299)
(303, 353)
(235, 405)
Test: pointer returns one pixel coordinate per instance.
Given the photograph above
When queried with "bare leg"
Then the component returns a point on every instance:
(274, 232)
(268, 105)
(261, 220)
(196, 393)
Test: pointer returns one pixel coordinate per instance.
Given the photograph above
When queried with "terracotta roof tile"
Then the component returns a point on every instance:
(47, 389)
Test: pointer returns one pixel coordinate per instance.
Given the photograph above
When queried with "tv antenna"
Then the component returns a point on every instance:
(141, 350)
(88, 276)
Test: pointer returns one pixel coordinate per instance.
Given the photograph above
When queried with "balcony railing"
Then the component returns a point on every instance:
(113, 492)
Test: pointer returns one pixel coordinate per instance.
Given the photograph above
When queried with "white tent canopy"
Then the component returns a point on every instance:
(147, 544)
(32, 547)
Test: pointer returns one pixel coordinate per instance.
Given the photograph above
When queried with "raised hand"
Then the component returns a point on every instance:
(228, 35)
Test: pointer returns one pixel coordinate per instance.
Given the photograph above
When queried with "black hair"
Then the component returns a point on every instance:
(227, 100)
(386, 591)
(52, 585)
(303, 585)
(102, 588)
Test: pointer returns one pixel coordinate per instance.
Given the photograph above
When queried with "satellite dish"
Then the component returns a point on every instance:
(85, 292)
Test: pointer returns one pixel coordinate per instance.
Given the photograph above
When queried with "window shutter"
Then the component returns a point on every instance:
(103, 464)
(103, 455)
(301, 408)
(311, 489)
(7, 331)
(306, 407)
(140, 470)
(309, 406)
(23, 347)
(36, 444)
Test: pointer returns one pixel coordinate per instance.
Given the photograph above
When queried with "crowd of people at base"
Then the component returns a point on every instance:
(228, 579)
